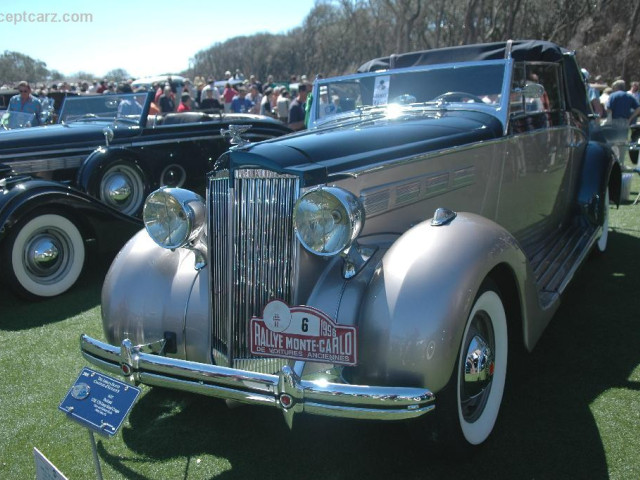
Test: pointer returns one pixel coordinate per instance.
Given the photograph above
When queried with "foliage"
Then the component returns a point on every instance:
(338, 35)
(117, 75)
(15, 66)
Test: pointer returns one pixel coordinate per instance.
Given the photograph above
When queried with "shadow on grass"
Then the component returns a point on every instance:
(546, 429)
(19, 314)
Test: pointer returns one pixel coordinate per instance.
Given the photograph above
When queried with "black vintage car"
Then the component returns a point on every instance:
(85, 179)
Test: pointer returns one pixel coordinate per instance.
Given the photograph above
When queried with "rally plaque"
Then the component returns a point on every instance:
(302, 333)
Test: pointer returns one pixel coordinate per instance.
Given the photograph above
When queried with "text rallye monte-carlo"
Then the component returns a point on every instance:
(385, 263)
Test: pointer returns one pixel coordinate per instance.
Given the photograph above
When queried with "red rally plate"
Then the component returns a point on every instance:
(302, 333)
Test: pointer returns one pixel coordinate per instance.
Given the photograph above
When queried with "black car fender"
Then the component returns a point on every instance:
(23, 196)
(411, 301)
(599, 171)
(97, 163)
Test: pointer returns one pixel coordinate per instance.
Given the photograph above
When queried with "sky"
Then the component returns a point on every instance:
(141, 36)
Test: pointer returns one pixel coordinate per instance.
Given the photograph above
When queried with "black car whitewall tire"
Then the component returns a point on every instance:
(45, 254)
(122, 187)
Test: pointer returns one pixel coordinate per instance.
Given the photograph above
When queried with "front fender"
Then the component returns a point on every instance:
(92, 169)
(414, 311)
(22, 195)
(150, 291)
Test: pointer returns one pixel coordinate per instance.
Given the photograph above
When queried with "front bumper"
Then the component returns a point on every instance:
(285, 390)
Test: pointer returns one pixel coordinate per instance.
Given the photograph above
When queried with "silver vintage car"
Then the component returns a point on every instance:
(388, 262)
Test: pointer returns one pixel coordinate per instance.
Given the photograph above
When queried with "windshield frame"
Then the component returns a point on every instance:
(78, 108)
(499, 110)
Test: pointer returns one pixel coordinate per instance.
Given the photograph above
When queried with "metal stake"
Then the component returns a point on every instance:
(96, 460)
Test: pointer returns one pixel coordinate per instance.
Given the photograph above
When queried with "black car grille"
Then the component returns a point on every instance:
(253, 257)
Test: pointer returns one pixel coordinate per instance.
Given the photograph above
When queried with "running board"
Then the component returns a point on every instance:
(555, 263)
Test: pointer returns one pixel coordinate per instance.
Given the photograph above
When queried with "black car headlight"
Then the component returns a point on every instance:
(327, 220)
(173, 217)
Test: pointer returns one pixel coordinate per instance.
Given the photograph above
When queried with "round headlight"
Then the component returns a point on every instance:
(173, 217)
(327, 220)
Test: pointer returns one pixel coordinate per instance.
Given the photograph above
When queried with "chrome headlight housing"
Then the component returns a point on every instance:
(173, 217)
(327, 220)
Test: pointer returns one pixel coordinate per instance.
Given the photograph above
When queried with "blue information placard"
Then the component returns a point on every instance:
(99, 402)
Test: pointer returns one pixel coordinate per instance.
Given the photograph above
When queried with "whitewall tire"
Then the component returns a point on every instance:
(601, 245)
(467, 407)
(482, 368)
(45, 254)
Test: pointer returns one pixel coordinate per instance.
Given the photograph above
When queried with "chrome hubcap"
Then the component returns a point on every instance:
(123, 189)
(118, 189)
(478, 368)
(43, 254)
(46, 256)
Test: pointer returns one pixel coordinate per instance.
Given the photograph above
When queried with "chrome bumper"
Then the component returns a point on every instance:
(286, 390)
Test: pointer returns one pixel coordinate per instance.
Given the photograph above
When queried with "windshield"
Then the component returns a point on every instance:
(13, 119)
(478, 83)
(126, 107)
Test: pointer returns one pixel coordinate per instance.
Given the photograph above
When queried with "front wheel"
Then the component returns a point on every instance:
(45, 255)
(469, 405)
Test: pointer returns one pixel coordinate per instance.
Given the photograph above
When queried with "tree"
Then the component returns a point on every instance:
(118, 75)
(15, 66)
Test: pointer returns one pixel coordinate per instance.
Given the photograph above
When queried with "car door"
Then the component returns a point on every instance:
(536, 176)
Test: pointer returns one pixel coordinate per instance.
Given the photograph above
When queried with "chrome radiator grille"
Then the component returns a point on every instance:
(252, 254)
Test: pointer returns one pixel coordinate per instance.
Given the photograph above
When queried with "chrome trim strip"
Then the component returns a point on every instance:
(313, 397)
(378, 200)
(146, 143)
(49, 153)
(46, 164)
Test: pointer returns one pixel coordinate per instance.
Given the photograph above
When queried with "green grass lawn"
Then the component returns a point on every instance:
(572, 412)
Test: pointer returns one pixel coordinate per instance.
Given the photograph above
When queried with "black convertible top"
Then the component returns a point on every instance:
(521, 50)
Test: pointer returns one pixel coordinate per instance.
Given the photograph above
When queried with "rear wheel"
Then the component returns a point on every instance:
(45, 254)
(468, 407)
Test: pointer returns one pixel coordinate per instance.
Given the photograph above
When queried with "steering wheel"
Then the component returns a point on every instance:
(458, 97)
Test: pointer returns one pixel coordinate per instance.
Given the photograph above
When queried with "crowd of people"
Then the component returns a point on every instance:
(286, 102)
(614, 104)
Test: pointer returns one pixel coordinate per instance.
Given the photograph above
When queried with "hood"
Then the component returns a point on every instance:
(324, 151)
(58, 136)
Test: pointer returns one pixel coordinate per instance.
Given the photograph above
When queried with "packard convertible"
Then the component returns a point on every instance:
(387, 263)
(83, 181)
